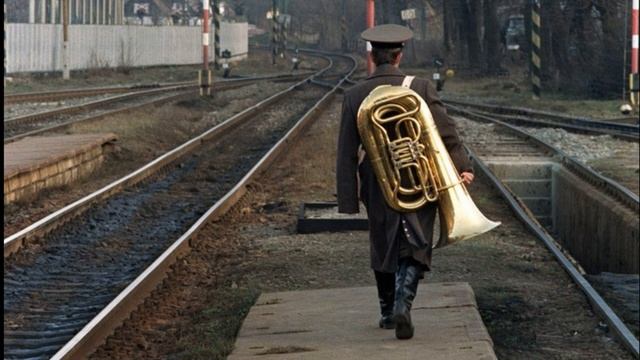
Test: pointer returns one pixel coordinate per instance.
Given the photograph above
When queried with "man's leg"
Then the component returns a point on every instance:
(386, 293)
(406, 281)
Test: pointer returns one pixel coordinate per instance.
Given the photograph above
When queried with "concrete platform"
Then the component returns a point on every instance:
(35, 163)
(342, 324)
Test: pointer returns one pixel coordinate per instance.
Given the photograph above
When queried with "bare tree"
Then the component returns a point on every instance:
(491, 37)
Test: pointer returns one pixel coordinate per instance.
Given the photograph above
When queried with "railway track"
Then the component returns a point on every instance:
(36, 123)
(498, 144)
(615, 187)
(43, 96)
(68, 290)
(625, 128)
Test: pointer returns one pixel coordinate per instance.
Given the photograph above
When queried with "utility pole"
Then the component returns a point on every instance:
(370, 24)
(65, 40)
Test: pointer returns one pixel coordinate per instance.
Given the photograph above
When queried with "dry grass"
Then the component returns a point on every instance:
(515, 91)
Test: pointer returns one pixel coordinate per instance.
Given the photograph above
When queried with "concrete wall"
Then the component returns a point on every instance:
(38, 47)
(26, 185)
(600, 234)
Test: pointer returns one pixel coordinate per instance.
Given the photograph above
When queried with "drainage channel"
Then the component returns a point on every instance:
(592, 234)
(53, 272)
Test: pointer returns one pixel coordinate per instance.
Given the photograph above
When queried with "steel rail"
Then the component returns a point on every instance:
(14, 242)
(25, 119)
(530, 121)
(600, 305)
(223, 85)
(82, 92)
(542, 117)
(101, 326)
(608, 185)
(22, 119)
(95, 117)
(92, 91)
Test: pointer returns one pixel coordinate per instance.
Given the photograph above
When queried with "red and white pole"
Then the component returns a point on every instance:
(633, 77)
(205, 35)
(205, 75)
(370, 24)
(634, 37)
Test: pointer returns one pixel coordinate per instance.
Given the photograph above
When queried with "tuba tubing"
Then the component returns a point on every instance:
(412, 165)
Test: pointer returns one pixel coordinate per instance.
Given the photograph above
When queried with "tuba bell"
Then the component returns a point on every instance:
(412, 164)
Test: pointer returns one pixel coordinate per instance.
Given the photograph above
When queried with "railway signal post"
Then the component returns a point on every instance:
(216, 33)
(204, 75)
(536, 63)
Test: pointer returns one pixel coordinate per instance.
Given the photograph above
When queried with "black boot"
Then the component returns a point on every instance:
(386, 292)
(407, 277)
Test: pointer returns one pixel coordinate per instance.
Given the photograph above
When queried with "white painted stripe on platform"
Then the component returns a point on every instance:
(205, 38)
(634, 41)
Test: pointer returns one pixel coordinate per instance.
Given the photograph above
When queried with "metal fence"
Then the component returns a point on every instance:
(38, 47)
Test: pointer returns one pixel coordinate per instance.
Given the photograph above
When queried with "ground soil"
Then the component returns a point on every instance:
(142, 136)
(529, 305)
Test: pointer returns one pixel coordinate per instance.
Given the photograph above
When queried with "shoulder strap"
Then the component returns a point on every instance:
(407, 81)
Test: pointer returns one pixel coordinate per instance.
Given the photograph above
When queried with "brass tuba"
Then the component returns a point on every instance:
(412, 164)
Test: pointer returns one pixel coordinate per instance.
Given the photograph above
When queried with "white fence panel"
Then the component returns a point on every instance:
(38, 47)
(233, 38)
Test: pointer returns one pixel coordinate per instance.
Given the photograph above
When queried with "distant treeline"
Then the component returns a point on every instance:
(583, 41)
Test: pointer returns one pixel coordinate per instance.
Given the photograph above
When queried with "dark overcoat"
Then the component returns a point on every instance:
(384, 222)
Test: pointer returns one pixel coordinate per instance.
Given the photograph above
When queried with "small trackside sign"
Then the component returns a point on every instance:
(408, 14)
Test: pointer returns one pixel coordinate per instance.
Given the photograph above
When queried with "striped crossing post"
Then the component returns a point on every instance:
(216, 33)
(535, 49)
(634, 81)
(274, 32)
